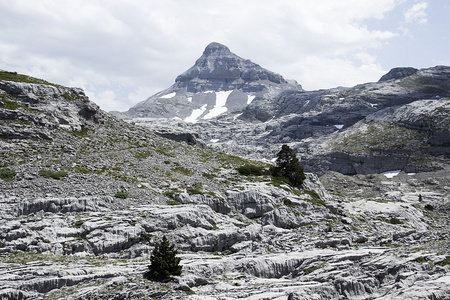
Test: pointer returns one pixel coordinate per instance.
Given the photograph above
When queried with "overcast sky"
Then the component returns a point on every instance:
(123, 51)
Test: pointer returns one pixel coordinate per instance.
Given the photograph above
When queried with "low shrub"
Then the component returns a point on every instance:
(445, 262)
(173, 202)
(7, 174)
(183, 170)
(122, 194)
(249, 169)
(395, 221)
(429, 207)
(59, 175)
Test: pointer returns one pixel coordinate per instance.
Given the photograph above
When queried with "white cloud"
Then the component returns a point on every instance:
(318, 72)
(417, 13)
(124, 49)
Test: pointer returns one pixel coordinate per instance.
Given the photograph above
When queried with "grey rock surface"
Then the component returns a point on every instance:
(85, 228)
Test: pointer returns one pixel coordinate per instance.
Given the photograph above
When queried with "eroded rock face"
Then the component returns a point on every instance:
(88, 232)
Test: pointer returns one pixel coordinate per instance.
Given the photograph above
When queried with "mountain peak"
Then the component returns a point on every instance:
(216, 49)
(220, 69)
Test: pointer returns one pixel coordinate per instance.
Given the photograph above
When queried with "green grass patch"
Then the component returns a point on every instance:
(145, 237)
(314, 197)
(314, 268)
(8, 104)
(183, 170)
(84, 132)
(395, 221)
(165, 152)
(71, 96)
(444, 262)
(173, 202)
(195, 190)
(78, 223)
(209, 175)
(288, 202)
(122, 194)
(27, 257)
(59, 175)
(13, 76)
(7, 174)
(142, 155)
(373, 137)
(249, 169)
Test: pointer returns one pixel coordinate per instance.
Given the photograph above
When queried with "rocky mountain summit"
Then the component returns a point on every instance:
(219, 82)
(84, 198)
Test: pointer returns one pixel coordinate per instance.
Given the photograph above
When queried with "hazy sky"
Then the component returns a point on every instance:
(123, 51)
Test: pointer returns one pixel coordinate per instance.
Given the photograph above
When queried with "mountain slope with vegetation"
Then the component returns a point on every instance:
(86, 197)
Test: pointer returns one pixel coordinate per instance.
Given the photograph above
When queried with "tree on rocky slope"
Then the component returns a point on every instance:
(288, 167)
(164, 262)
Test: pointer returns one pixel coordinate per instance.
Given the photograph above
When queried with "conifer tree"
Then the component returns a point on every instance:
(164, 262)
(289, 167)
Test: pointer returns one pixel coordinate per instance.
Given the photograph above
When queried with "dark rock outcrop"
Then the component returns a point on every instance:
(398, 73)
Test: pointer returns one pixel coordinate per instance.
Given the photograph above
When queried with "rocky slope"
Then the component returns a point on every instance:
(369, 128)
(84, 197)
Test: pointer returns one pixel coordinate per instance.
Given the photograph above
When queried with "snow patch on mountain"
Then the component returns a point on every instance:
(219, 107)
(196, 113)
(169, 96)
(250, 99)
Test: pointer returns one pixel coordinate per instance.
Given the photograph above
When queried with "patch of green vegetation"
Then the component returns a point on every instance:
(421, 260)
(183, 170)
(429, 207)
(27, 257)
(126, 179)
(78, 223)
(173, 202)
(8, 104)
(373, 137)
(7, 174)
(209, 175)
(230, 161)
(444, 262)
(314, 268)
(71, 96)
(215, 227)
(426, 84)
(122, 194)
(84, 132)
(165, 152)
(13, 76)
(314, 197)
(278, 181)
(59, 175)
(288, 202)
(141, 155)
(145, 237)
(169, 194)
(82, 170)
(250, 169)
(195, 190)
(392, 220)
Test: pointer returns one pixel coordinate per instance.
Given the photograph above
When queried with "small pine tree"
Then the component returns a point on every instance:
(164, 262)
(289, 167)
